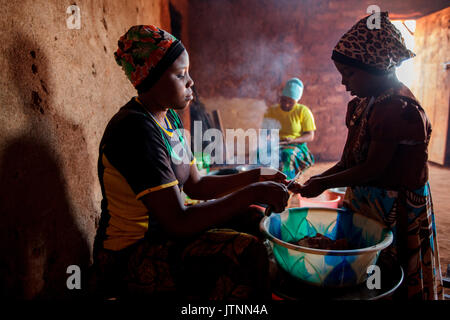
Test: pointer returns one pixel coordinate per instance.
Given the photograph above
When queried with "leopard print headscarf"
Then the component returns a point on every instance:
(378, 50)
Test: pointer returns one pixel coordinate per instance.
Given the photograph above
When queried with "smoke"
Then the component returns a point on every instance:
(242, 52)
(265, 67)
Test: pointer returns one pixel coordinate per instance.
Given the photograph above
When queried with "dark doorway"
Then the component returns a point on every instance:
(175, 21)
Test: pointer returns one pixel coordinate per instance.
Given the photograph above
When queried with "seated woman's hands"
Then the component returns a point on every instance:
(286, 141)
(274, 194)
(311, 188)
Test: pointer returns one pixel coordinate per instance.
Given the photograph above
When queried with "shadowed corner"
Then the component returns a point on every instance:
(40, 234)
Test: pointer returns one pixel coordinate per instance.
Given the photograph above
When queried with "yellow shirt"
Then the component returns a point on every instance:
(293, 123)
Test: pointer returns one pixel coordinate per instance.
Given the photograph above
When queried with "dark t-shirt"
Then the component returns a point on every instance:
(406, 124)
(397, 118)
(137, 156)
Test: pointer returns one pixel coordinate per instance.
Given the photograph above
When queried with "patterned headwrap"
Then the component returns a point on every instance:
(145, 52)
(377, 51)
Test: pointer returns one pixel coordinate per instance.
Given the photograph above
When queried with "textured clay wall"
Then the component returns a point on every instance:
(59, 87)
(248, 48)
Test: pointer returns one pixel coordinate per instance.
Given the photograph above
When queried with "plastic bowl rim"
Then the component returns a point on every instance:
(339, 197)
(335, 190)
(388, 238)
(320, 201)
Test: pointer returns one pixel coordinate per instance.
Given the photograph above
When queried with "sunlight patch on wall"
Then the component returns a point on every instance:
(405, 72)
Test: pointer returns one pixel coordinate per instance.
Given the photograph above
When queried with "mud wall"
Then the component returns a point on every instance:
(59, 88)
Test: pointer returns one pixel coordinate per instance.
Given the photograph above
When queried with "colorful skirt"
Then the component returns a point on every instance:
(230, 262)
(410, 216)
(295, 158)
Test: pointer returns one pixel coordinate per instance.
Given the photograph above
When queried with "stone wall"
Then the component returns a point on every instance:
(249, 48)
(60, 87)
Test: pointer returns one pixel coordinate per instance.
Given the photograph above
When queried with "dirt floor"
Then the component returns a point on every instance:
(440, 185)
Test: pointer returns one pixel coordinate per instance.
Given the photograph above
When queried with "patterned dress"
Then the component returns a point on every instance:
(295, 157)
(229, 262)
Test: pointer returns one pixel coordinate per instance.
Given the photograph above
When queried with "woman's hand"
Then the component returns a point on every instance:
(312, 188)
(276, 195)
(295, 187)
(286, 141)
(271, 174)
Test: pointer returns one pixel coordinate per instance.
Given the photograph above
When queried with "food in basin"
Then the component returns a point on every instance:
(319, 241)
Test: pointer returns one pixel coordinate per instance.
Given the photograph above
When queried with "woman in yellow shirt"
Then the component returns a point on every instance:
(296, 124)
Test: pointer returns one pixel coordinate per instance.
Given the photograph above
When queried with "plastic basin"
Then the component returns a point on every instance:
(321, 267)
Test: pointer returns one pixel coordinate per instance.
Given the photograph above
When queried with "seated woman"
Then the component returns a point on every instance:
(147, 238)
(296, 124)
(384, 162)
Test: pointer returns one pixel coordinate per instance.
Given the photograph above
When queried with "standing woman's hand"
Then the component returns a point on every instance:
(295, 187)
(312, 188)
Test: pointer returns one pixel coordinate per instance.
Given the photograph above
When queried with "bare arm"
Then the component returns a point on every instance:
(338, 167)
(379, 156)
(212, 187)
(180, 221)
(307, 136)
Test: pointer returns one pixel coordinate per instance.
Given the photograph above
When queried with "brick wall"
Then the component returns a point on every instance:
(249, 48)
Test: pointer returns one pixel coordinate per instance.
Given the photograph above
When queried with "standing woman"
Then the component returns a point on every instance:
(384, 162)
(147, 239)
(296, 124)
